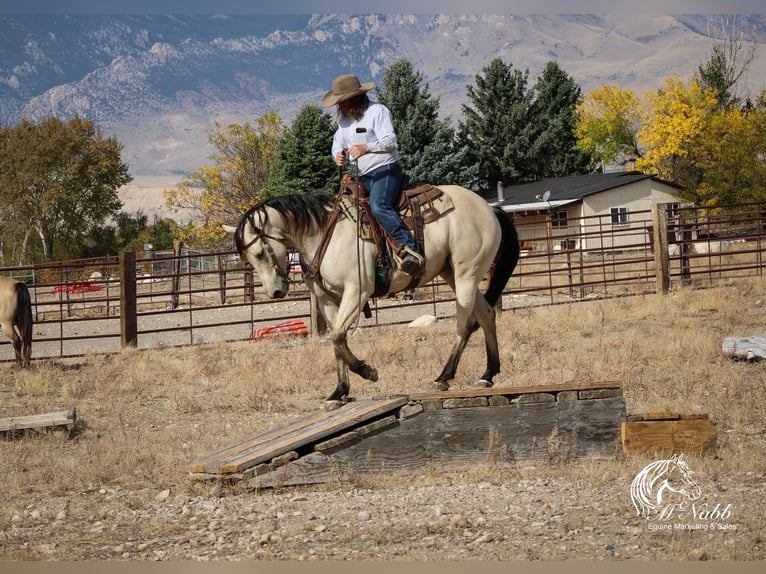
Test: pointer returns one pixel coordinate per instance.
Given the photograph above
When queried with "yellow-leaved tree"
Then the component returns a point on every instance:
(676, 118)
(732, 155)
(222, 192)
(606, 126)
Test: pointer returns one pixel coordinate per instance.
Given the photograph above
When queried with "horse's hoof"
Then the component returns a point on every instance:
(332, 405)
(369, 373)
(441, 385)
(484, 384)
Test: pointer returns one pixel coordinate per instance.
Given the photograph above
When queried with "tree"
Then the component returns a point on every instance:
(495, 134)
(552, 118)
(238, 178)
(58, 182)
(676, 117)
(731, 154)
(128, 232)
(303, 162)
(425, 141)
(607, 124)
(729, 59)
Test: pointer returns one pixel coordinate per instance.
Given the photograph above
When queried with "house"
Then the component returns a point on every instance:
(575, 211)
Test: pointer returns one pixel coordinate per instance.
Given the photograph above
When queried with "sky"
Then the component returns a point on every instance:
(376, 6)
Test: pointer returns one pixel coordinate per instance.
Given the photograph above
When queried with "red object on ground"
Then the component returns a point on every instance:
(77, 288)
(296, 327)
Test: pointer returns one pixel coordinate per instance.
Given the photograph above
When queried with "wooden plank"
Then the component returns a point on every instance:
(467, 393)
(300, 435)
(590, 428)
(55, 419)
(670, 416)
(199, 464)
(669, 437)
(661, 416)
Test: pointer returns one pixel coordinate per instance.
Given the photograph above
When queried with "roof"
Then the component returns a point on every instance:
(563, 190)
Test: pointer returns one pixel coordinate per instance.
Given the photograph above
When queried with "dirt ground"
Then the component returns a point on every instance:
(113, 490)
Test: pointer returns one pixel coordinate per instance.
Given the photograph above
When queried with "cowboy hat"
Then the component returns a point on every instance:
(343, 88)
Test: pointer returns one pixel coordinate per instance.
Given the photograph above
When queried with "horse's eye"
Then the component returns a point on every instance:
(260, 255)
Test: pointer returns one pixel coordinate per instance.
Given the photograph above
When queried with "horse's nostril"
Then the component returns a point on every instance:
(279, 294)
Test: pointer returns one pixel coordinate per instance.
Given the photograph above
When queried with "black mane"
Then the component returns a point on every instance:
(299, 210)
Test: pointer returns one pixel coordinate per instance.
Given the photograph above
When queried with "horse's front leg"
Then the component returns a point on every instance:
(341, 391)
(356, 365)
(341, 317)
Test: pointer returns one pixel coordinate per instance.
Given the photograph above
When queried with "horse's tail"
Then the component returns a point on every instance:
(24, 322)
(506, 259)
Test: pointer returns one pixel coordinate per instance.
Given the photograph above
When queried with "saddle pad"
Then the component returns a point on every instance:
(433, 204)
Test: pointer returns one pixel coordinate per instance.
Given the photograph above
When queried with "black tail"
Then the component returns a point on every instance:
(24, 322)
(506, 259)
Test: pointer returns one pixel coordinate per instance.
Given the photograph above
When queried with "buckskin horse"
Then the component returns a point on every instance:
(461, 245)
(16, 318)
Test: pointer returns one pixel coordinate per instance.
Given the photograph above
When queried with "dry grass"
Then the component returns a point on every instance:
(145, 413)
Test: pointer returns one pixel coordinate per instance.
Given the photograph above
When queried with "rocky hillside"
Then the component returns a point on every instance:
(159, 82)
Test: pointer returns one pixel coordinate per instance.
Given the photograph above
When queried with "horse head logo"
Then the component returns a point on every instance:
(658, 481)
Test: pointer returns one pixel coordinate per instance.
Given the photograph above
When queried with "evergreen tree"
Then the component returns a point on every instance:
(425, 141)
(495, 135)
(303, 162)
(552, 120)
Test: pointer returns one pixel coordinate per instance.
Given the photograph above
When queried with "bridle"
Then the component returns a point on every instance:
(263, 237)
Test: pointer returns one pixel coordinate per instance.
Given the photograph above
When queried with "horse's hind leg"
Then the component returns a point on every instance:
(485, 316)
(473, 312)
(465, 300)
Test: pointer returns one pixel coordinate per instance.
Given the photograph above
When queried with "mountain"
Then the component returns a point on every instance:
(159, 82)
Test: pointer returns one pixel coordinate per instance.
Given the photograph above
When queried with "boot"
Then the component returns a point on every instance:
(412, 263)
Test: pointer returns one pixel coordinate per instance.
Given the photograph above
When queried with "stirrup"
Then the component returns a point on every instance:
(412, 263)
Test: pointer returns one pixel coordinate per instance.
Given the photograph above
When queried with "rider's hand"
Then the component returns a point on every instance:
(340, 158)
(358, 150)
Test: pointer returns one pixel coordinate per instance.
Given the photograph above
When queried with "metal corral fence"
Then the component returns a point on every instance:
(184, 297)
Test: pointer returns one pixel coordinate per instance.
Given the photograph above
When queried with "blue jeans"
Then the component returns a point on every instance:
(384, 185)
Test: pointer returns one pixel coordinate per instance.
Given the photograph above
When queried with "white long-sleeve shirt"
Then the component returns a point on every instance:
(379, 136)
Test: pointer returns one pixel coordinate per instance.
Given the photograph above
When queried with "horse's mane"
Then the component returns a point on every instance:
(299, 210)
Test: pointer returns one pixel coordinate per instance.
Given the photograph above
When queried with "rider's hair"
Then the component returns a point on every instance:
(356, 106)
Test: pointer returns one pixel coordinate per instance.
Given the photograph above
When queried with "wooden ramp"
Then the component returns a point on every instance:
(406, 434)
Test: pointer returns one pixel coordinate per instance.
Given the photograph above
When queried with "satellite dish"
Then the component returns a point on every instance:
(547, 195)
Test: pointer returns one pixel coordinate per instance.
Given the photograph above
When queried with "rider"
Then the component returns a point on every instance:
(366, 134)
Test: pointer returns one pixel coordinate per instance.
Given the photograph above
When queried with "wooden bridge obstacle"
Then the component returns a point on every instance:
(411, 433)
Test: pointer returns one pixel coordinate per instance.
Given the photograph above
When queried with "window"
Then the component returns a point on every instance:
(619, 215)
(559, 219)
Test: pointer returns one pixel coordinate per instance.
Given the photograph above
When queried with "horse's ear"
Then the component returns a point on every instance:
(229, 229)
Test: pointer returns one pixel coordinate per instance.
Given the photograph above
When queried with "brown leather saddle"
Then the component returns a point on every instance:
(418, 205)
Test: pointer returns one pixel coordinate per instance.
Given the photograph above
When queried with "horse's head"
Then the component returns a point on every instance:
(679, 478)
(650, 488)
(260, 241)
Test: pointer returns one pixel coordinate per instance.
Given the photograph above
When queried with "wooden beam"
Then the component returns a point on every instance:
(666, 437)
(66, 418)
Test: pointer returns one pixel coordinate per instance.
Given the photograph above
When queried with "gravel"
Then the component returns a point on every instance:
(517, 514)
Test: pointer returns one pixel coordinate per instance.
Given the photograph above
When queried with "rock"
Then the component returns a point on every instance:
(423, 321)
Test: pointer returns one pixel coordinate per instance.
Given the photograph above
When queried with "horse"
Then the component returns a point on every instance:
(16, 318)
(460, 246)
(658, 479)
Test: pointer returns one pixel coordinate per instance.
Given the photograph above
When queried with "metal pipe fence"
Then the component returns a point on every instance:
(185, 297)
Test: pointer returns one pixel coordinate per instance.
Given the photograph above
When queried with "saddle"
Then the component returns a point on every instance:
(418, 205)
